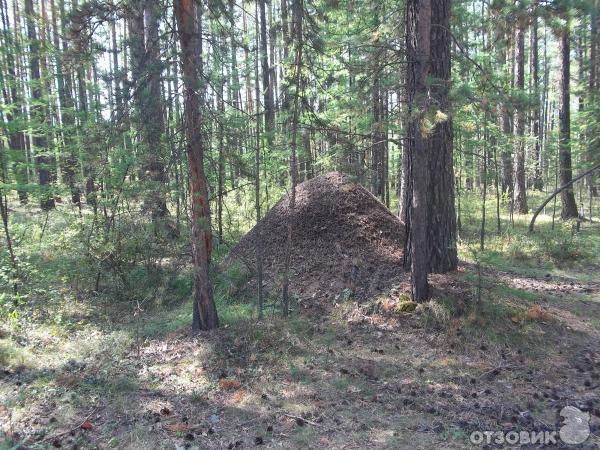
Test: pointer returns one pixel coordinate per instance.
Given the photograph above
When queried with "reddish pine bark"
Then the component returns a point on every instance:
(205, 313)
(569, 206)
(441, 233)
(418, 23)
(520, 199)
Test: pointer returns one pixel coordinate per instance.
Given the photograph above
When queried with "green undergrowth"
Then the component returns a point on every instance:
(73, 279)
(555, 247)
(497, 310)
(75, 342)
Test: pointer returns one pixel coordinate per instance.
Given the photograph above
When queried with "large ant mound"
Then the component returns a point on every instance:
(345, 242)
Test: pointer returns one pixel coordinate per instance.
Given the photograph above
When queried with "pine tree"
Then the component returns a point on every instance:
(189, 31)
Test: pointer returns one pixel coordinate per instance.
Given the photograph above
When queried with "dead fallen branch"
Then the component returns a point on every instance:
(71, 430)
(303, 420)
(558, 191)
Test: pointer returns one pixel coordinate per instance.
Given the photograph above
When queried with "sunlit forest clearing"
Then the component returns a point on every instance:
(299, 224)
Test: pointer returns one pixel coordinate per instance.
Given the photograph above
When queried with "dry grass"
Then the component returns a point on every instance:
(361, 375)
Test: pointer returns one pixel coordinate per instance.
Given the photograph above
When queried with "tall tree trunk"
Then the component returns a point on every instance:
(593, 143)
(258, 242)
(4, 210)
(146, 69)
(83, 110)
(22, 77)
(235, 88)
(172, 119)
(544, 116)
(581, 62)
(520, 187)
(385, 167)
(154, 123)
(116, 74)
(12, 94)
(272, 55)
(418, 39)
(538, 182)
(441, 232)
(569, 206)
(247, 64)
(405, 194)
(286, 41)
(267, 84)
(205, 313)
(484, 177)
(43, 158)
(51, 102)
(221, 140)
(65, 95)
(377, 140)
(507, 126)
(496, 187)
(297, 19)
(377, 143)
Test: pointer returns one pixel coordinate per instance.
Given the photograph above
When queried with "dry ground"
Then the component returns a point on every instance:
(337, 375)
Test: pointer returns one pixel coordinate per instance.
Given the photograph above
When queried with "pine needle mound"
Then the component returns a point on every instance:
(346, 243)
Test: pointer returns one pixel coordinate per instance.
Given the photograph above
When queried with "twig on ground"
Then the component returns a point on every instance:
(495, 370)
(303, 420)
(56, 436)
(247, 422)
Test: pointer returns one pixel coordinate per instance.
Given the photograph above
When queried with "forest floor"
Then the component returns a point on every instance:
(509, 339)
